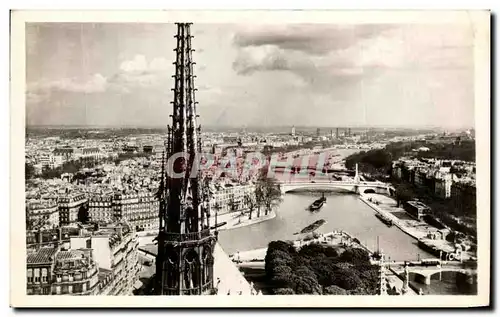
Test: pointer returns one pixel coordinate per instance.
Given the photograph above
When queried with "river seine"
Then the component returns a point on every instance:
(343, 211)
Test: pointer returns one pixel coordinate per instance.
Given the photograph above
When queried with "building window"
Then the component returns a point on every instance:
(30, 276)
(44, 275)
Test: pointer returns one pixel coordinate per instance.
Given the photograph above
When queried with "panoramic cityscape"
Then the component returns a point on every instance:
(256, 161)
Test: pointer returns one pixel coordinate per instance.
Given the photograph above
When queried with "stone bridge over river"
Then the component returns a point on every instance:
(423, 272)
(355, 185)
(358, 187)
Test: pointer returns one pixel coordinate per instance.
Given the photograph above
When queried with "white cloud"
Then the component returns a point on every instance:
(262, 58)
(135, 73)
(141, 73)
(96, 83)
(140, 64)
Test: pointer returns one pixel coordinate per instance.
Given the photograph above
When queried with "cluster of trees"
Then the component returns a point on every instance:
(128, 156)
(379, 162)
(318, 269)
(445, 212)
(69, 167)
(267, 196)
(29, 171)
(460, 150)
(267, 193)
(404, 193)
(381, 159)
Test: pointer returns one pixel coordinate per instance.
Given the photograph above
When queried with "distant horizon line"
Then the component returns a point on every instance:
(69, 126)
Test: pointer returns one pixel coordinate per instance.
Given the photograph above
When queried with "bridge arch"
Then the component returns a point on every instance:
(458, 272)
(354, 187)
(426, 277)
(317, 189)
(369, 191)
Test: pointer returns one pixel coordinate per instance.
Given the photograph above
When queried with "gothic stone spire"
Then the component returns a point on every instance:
(185, 243)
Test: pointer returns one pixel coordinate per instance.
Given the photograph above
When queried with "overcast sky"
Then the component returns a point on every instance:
(253, 75)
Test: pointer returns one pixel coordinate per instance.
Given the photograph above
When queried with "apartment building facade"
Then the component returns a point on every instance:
(115, 250)
(52, 271)
(89, 153)
(229, 197)
(463, 195)
(139, 209)
(101, 208)
(443, 186)
(42, 213)
(70, 204)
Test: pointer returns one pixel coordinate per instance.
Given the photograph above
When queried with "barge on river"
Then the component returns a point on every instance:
(384, 219)
(318, 203)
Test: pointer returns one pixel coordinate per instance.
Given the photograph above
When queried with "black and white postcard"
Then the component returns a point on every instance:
(250, 159)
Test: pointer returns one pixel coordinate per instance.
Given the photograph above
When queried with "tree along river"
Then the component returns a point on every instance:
(342, 211)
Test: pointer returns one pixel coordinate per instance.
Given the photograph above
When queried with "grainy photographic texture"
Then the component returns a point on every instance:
(189, 156)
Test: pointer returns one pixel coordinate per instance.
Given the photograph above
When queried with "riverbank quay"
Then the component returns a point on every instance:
(382, 205)
(240, 219)
(419, 230)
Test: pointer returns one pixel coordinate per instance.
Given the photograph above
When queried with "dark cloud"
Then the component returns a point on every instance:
(311, 38)
(324, 74)
(314, 52)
